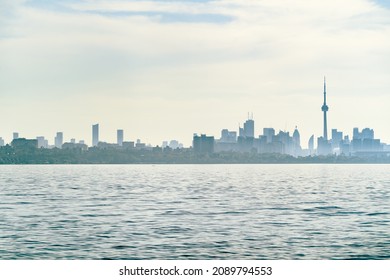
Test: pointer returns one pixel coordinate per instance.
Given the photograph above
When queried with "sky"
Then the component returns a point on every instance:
(164, 70)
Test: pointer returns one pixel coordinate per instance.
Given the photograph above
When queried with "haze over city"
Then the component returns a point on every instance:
(162, 70)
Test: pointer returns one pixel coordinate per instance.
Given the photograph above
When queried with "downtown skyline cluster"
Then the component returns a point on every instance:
(361, 143)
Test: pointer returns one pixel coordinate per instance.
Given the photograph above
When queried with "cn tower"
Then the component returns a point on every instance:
(325, 109)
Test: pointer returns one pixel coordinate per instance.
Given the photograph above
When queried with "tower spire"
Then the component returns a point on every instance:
(325, 109)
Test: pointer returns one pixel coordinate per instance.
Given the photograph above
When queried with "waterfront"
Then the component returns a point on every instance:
(195, 212)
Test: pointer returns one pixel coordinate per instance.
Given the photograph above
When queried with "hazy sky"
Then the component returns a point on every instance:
(164, 70)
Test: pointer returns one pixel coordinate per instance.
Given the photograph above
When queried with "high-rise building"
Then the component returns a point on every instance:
(42, 142)
(325, 109)
(297, 137)
(337, 138)
(59, 140)
(164, 144)
(367, 133)
(119, 137)
(311, 145)
(269, 133)
(356, 133)
(228, 136)
(1, 142)
(95, 135)
(249, 128)
(15, 135)
(203, 144)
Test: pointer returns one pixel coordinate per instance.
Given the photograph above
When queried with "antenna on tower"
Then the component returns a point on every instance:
(324, 84)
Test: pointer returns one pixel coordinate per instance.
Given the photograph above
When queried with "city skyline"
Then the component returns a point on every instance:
(163, 70)
(247, 131)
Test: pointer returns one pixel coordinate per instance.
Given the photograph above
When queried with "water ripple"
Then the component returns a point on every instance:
(195, 212)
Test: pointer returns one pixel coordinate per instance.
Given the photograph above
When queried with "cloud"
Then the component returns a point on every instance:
(256, 54)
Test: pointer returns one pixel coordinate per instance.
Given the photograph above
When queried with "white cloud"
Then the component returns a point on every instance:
(270, 55)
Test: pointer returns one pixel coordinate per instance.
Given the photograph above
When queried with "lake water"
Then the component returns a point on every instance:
(195, 212)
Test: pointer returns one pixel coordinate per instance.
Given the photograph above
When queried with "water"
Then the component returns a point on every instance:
(195, 212)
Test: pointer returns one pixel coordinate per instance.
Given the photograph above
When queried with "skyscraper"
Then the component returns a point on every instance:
(297, 137)
(325, 109)
(249, 128)
(59, 140)
(119, 137)
(311, 144)
(42, 142)
(15, 135)
(269, 133)
(95, 135)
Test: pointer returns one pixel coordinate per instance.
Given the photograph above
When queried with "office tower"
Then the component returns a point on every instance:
(15, 135)
(241, 132)
(337, 138)
(95, 135)
(1, 142)
(356, 133)
(311, 144)
(297, 137)
(203, 144)
(42, 143)
(228, 136)
(59, 140)
(367, 133)
(249, 128)
(73, 141)
(325, 109)
(269, 133)
(119, 137)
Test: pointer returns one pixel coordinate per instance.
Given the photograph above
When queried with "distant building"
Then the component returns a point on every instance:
(364, 141)
(174, 144)
(323, 146)
(325, 109)
(249, 128)
(297, 150)
(15, 135)
(139, 145)
(59, 140)
(105, 145)
(241, 132)
(367, 133)
(95, 135)
(23, 143)
(269, 133)
(1, 142)
(228, 136)
(337, 138)
(203, 144)
(246, 137)
(128, 145)
(74, 146)
(42, 142)
(246, 144)
(311, 145)
(119, 137)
